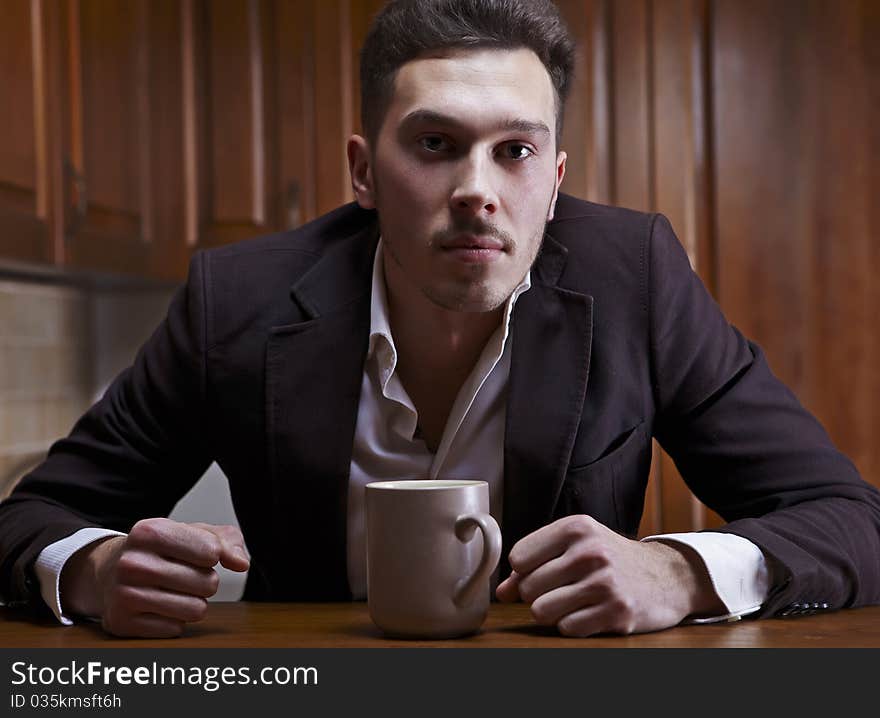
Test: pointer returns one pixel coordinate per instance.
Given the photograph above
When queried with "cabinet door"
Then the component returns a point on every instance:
(267, 110)
(107, 157)
(26, 181)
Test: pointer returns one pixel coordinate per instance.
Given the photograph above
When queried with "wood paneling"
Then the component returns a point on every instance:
(25, 184)
(268, 105)
(108, 154)
(750, 125)
(636, 134)
(297, 130)
(334, 108)
(795, 101)
(633, 111)
(228, 119)
(681, 181)
(169, 252)
(144, 130)
(587, 134)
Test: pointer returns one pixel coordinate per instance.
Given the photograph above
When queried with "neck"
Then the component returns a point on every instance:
(434, 338)
(436, 351)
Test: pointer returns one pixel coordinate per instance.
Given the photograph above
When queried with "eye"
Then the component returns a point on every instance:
(434, 143)
(517, 151)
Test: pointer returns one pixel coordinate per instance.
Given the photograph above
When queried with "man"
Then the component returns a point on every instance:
(442, 328)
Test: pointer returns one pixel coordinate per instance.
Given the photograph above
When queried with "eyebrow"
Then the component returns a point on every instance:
(438, 118)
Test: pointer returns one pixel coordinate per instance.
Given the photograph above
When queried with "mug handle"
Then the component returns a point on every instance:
(465, 527)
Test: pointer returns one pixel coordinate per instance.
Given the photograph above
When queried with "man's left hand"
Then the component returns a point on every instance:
(584, 578)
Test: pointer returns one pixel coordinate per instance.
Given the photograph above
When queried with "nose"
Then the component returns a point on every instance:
(474, 191)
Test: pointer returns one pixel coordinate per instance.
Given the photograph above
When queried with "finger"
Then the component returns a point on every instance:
(508, 590)
(550, 607)
(233, 554)
(178, 541)
(571, 567)
(142, 568)
(588, 621)
(144, 625)
(548, 542)
(143, 599)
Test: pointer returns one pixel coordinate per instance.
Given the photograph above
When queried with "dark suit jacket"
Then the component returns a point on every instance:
(259, 362)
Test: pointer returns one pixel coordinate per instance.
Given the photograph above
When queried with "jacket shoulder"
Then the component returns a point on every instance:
(573, 212)
(247, 285)
(606, 246)
(314, 238)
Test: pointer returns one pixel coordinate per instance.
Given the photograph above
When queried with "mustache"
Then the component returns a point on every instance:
(476, 227)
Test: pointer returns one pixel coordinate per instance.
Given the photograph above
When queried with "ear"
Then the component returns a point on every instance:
(360, 167)
(560, 173)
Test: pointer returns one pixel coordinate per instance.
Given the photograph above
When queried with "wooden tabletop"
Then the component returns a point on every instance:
(348, 625)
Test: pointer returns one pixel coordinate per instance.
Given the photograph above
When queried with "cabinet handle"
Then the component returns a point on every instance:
(81, 206)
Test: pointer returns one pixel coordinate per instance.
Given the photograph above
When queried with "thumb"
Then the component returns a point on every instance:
(508, 589)
(233, 554)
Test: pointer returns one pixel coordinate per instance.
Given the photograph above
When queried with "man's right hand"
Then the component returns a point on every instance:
(153, 581)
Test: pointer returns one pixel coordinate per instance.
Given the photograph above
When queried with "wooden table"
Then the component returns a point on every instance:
(348, 625)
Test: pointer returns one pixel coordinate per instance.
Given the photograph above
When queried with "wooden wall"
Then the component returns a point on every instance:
(143, 130)
(754, 125)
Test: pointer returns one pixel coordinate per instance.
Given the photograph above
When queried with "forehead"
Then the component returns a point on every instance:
(476, 85)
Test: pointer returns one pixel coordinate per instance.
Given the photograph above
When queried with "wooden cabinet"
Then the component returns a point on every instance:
(27, 188)
(269, 102)
(78, 163)
(135, 132)
(107, 134)
(144, 130)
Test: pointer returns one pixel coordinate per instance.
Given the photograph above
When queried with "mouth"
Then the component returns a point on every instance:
(473, 249)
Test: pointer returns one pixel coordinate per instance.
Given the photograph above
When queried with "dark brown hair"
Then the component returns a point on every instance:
(405, 29)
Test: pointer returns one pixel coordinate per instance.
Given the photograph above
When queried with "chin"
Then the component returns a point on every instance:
(468, 302)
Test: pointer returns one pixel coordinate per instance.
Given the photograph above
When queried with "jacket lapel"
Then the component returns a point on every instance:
(552, 333)
(313, 381)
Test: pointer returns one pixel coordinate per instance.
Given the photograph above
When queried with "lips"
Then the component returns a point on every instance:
(473, 242)
(473, 250)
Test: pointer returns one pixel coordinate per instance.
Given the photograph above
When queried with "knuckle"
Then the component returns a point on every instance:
(601, 556)
(197, 609)
(175, 629)
(578, 526)
(541, 613)
(212, 547)
(622, 607)
(127, 596)
(527, 590)
(569, 627)
(147, 531)
(606, 584)
(623, 624)
(515, 559)
(111, 624)
(581, 560)
(129, 567)
(231, 533)
(572, 528)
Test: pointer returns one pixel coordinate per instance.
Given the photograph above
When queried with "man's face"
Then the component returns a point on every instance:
(464, 176)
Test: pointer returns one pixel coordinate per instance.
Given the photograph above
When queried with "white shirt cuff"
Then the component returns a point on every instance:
(736, 567)
(51, 561)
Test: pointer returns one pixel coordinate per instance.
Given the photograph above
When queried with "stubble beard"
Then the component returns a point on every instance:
(467, 295)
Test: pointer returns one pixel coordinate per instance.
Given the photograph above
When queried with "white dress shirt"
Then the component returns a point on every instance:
(387, 446)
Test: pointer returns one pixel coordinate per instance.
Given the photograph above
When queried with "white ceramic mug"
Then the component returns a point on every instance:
(431, 549)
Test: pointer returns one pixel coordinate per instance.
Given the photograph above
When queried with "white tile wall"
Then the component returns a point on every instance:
(59, 349)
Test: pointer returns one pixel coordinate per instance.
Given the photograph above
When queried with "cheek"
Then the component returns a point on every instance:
(528, 194)
(407, 184)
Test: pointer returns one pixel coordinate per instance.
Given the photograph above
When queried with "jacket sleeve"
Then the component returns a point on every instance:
(749, 450)
(133, 455)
